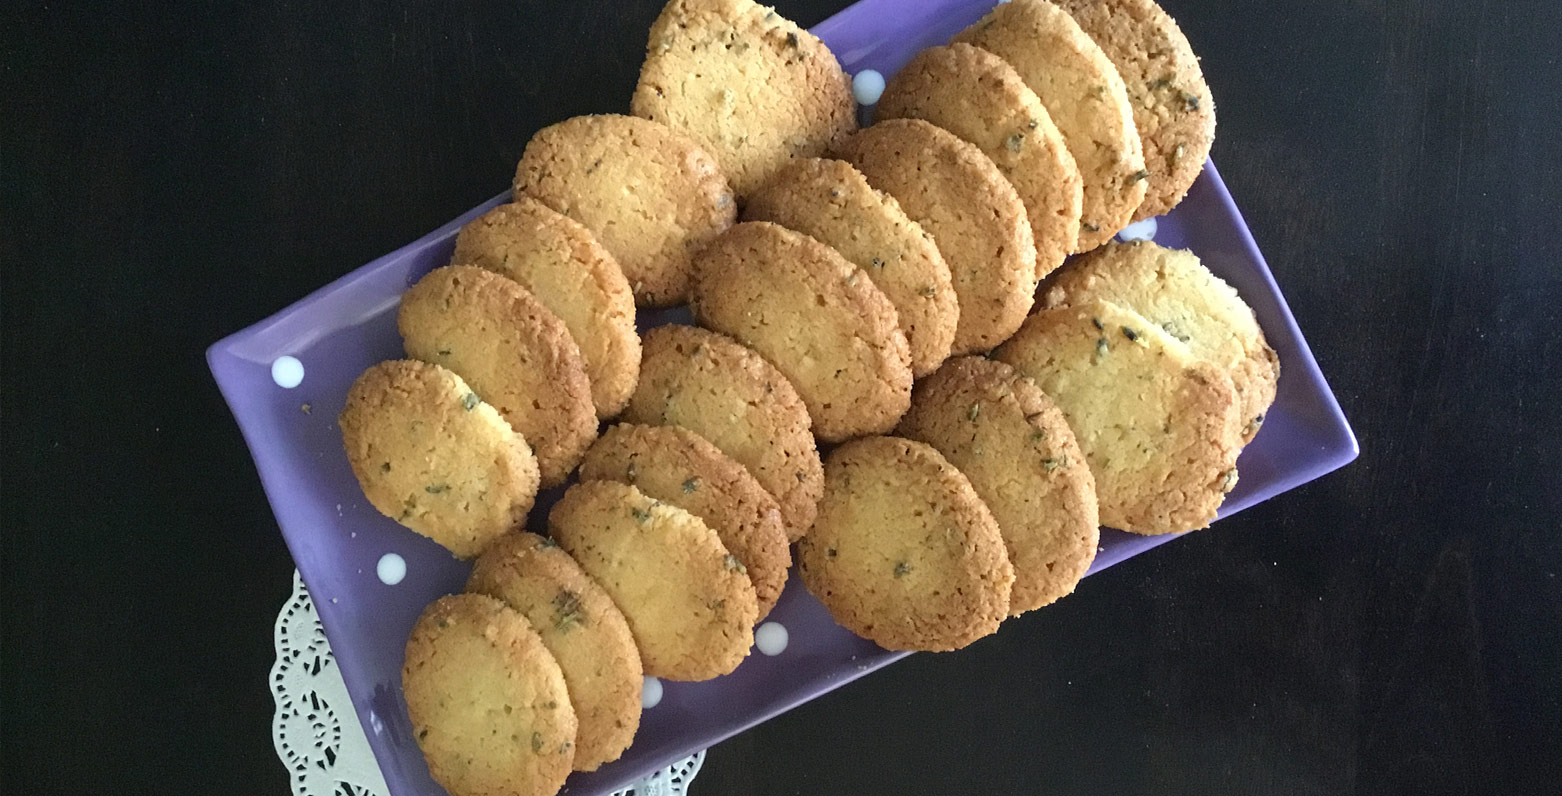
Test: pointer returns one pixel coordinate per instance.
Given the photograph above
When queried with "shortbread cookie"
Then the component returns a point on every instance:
(976, 95)
(488, 703)
(688, 600)
(832, 202)
(979, 223)
(583, 629)
(677, 466)
(816, 317)
(1160, 427)
(1085, 96)
(516, 354)
(728, 394)
(1173, 290)
(434, 457)
(904, 553)
(1173, 109)
(650, 194)
(565, 268)
(1013, 444)
(753, 88)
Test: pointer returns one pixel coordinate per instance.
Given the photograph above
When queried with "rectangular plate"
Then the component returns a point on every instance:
(336, 538)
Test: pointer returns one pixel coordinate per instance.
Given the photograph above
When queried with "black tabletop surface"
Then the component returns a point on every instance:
(174, 171)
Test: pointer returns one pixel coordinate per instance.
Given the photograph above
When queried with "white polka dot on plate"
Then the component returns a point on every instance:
(391, 569)
(868, 86)
(1139, 230)
(651, 694)
(287, 372)
(771, 638)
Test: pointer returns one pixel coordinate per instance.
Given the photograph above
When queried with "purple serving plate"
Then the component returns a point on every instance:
(338, 540)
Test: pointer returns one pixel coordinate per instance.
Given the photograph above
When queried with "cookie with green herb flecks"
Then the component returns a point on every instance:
(1173, 109)
(688, 600)
(1015, 447)
(977, 220)
(977, 96)
(561, 263)
(833, 203)
(583, 629)
(904, 552)
(1160, 427)
(728, 394)
(488, 703)
(430, 454)
(650, 194)
(1173, 290)
(1087, 100)
(748, 84)
(816, 317)
(516, 354)
(677, 466)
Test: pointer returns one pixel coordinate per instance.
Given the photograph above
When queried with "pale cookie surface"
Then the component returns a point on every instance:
(1173, 290)
(514, 352)
(677, 466)
(488, 703)
(819, 319)
(565, 268)
(1012, 443)
(432, 456)
(728, 394)
(689, 603)
(832, 202)
(1173, 109)
(977, 220)
(583, 629)
(1159, 426)
(1087, 100)
(752, 87)
(977, 96)
(650, 194)
(904, 553)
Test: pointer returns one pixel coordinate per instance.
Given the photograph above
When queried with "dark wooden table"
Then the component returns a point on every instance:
(173, 171)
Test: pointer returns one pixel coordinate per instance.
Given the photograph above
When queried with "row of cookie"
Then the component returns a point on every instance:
(1124, 401)
(1162, 422)
(1095, 110)
(982, 508)
(659, 562)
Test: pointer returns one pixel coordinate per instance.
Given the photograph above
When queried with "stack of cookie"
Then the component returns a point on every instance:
(870, 290)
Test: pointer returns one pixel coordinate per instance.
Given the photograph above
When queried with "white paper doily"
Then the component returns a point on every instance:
(318, 737)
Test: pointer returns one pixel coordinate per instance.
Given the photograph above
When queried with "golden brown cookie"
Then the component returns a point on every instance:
(753, 88)
(728, 394)
(688, 600)
(432, 456)
(1085, 96)
(1173, 109)
(1173, 290)
(904, 553)
(583, 629)
(832, 202)
(1020, 456)
(1160, 427)
(488, 703)
(516, 354)
(816, 317)
(977, 96)
(956, 193)
(650, 194)
(677, 466)
(561, 263)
